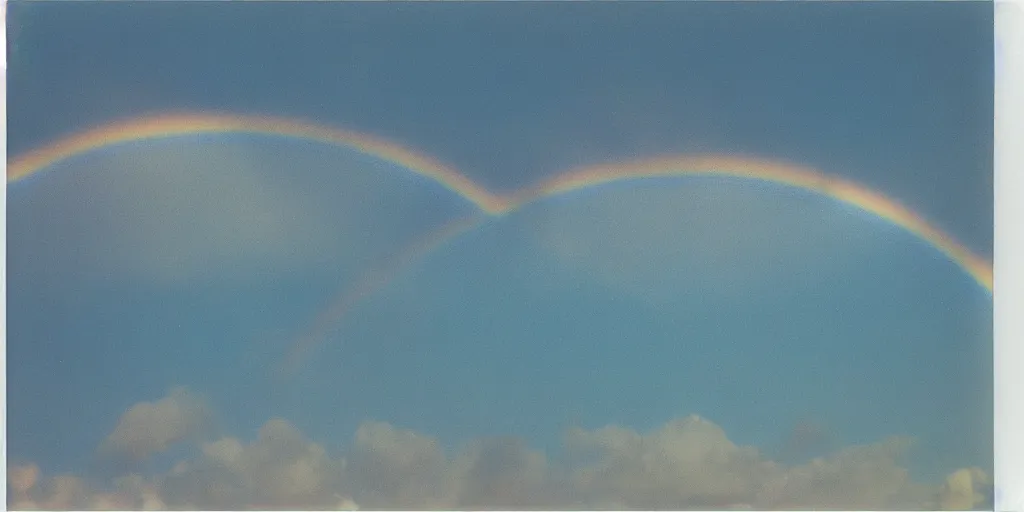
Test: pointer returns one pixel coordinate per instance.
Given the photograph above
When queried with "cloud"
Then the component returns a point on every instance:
(22, 478)
(631, 470)
(215, 208)
(726, 237)
(806, 438)
(183, 210)
(503, 473)
(686, 463)
(280, 469)
(961, 490)
(861, 477)
(399, 468)
(65, 492)
(148, 428)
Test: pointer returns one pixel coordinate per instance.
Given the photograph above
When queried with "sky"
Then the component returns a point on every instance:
(248, 320)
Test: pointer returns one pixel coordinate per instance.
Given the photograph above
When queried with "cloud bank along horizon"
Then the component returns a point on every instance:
(390, 466)
(490, 204)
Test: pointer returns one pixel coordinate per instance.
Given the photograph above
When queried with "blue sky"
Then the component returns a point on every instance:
(155, 286)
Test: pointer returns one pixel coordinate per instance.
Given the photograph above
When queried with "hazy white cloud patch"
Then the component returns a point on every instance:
(185, 210)
(280, 469)
(504, 473)
(687, 463)
(962, 489)
(399, 468)
(632, 470)
(176, 211)
(860, 477)
(148, 428)
(66, 492)
(728, 237)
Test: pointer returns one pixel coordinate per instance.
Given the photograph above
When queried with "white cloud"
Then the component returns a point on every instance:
(861, 477)
(399, 468)
(632, 470)
(503, 473)
(960, 492)
(728, 237)
(179, 210)
(281, 469)
(22, 478)
(686, 463)
(148, 428)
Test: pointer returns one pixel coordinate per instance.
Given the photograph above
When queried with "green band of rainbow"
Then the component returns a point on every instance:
(494, 204)
(171, 125)
(791, 175)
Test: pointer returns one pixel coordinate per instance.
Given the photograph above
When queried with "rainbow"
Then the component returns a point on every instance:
(373, 281)
(172, 125)
(588, 177)
(492, 205)
(834, 187)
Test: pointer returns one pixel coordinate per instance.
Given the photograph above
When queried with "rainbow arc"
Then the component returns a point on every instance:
(489, 204)
(170, 125)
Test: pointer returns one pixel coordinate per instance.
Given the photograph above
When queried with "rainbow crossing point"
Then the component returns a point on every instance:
(492, 204)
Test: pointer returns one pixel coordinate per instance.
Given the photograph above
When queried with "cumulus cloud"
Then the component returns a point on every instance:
(148, 428)
(686, 463)
(807, 437)
(631, 470)
(504, 473)
(400, 468)
(961, 490)
(280, 469)
(397, 468)
(866, 477)
(65, 492)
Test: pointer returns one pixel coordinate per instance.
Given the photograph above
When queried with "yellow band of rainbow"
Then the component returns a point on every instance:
(170, 125)
(786, 174)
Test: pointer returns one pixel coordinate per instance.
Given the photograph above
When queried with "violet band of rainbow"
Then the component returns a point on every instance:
(840, 189)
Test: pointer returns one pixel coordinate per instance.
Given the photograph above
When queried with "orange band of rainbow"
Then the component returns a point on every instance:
(184, 124)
